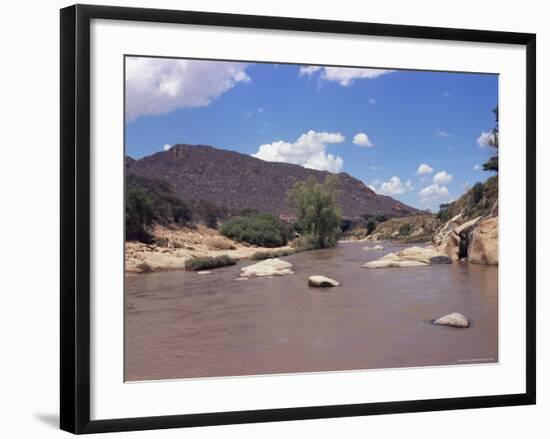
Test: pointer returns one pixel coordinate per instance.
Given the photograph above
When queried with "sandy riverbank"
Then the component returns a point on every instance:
(176, 245)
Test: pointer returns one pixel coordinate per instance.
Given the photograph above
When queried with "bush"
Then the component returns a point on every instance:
(371, 225)
(405, 229)
(144, 267)
(260, 229)
(477, 193)
(260, 256)
(208, 262)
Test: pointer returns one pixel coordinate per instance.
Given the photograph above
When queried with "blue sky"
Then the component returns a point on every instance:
(416, 136)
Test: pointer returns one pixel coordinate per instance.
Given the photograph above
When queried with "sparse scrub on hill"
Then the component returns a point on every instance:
(318, 214)
(261, 229)
(478, 200)
(209, 262)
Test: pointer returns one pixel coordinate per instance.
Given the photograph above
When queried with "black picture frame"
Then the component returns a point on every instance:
(75, 217)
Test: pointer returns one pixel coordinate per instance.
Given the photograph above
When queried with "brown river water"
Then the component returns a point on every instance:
(186, 325)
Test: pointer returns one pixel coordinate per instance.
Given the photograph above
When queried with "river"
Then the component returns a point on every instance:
(187, 325)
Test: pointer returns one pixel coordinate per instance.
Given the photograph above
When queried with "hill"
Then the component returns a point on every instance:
(233, 181)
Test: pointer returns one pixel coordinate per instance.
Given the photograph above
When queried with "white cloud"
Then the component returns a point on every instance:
(166, 147)
(308, 70)
(343, 75)
(362, 139)
(392, 187)
(309, 151)
(485, 139)
(441, 133)
(477, 168)
(424, 169)
(442, 178)
(372, 101)
(159, 85)
(433, 193)
(375, 168)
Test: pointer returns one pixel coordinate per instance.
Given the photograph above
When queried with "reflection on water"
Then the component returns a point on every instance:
(184, 325)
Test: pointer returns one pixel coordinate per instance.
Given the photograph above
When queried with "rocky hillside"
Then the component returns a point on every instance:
(237, 181)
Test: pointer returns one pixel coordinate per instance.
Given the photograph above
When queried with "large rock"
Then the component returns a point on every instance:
(376, 247)
(483, 247)
(456, 320)
(394, 263)
(455, 243)
(322, 281)
(267, 267)
(446, 229)
(410, 257)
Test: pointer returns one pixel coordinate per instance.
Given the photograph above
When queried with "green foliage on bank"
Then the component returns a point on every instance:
(209, 262)
(317, 211)
(261, 255)
(148, 201)
(261, 229)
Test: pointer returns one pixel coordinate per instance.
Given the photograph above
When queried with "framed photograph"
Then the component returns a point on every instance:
(273, 218)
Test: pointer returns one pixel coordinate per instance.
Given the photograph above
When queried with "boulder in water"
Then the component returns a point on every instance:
(483, 247)
(455, 319)
(410, 257)
(376, 247)
(322, 281)
(267, 268)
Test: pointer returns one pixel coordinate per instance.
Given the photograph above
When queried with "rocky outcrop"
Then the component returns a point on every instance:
(483, 247)
(410, 257)
(267, 268)
(322, 281)
(474, 240)
(455, 319)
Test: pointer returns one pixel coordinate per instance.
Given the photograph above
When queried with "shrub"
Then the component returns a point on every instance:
(260, 256)
(477, 193)
(371, 225)
(208, 262)
(144, 267)
(262, 229)
(405, 229)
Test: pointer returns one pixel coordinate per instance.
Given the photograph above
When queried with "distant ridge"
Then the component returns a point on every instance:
(239, 181)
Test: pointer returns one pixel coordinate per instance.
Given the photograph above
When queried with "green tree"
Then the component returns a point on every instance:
(492, 163)
(139, 216)
(317, 210)
(371, 226)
